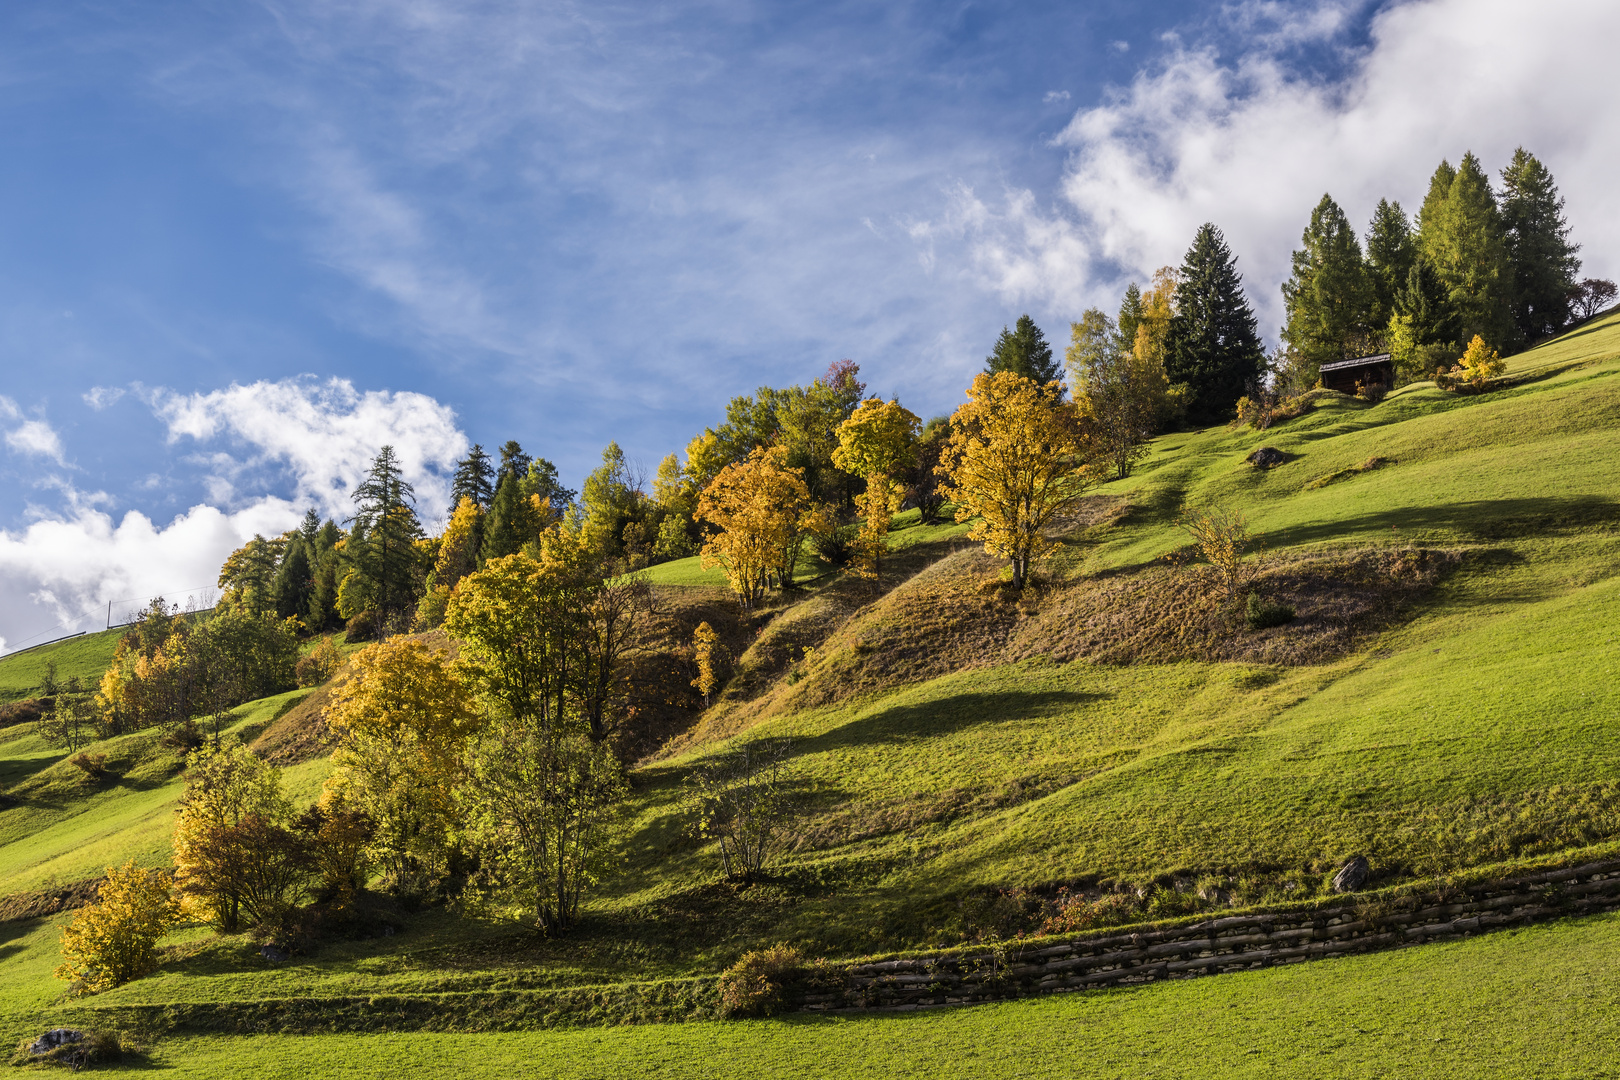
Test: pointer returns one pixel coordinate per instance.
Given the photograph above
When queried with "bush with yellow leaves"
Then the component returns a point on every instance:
(115, 939)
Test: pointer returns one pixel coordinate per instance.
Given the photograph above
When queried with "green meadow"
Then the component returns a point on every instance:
(947, 744)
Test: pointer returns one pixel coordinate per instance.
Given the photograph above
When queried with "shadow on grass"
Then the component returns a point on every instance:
(945, 716)
(1481, 520)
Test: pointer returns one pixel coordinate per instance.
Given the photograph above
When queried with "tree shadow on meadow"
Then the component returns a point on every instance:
(945, 716)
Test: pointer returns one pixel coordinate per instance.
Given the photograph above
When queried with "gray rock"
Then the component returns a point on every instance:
(273, 953)
(1352, 875)
(54, 1038)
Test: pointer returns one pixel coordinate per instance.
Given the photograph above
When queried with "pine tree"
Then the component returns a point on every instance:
(542, 482)
(474, 479)
(1214, 346)
(1538, 247)
(511, 523)
(386, 530)
(1024, 350)
(1329, 298)
(1391, 251)
(1464, 239)
(310, 529)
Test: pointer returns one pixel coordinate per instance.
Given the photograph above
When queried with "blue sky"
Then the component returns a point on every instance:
(246, 244)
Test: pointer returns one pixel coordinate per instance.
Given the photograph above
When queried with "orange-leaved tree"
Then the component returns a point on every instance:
(759, 507)
(1017, 458)
(875, 442)
(1480, 363)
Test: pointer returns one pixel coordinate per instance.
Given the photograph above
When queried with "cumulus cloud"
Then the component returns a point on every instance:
(66, 569)
(33, 437)
(323, 435)
(1251, 143)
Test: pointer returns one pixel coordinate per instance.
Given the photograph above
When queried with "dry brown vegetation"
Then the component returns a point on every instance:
(49, 901)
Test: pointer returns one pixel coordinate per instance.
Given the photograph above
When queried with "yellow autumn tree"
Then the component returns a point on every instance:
(759, 507)
(878, 439)
(403, 718)
(705, 643)
(1480, 363)
(114, 940)
(226, 787)
(1016, 460)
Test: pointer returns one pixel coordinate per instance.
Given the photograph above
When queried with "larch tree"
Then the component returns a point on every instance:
(1214, 346)
(1466, 242)
(1016, 460)
(758, 508)
(1024, 351)
(876, 442)
(1544, 261)
(1121, 396)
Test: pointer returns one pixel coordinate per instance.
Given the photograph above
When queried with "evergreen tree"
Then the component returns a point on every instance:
(474, 479)
(295, 578)
(382, 548)
(1329, 298)
(1391, 251)
(542, 482)
(1464, 238)
(1538, 248)
(1433, 211)
(1024, 350)
(310, 529)
(514, 462)
(1130, 317)
(1213, 344)
(512, 522)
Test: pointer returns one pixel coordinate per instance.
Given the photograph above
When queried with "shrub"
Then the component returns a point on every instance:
(185, 737)
(1222, 537)
(753, 986)
(1372, 391)
(93, 766)
(1076, 913)
(321, 664)
(114, 940)
(363, 627)
(1263, 614)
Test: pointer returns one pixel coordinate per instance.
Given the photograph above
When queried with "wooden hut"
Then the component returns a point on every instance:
(1345, 375)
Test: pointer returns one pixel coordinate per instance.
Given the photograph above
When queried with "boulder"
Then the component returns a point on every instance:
(273, 953)
(1268, 456)
(54, 1038)
(1352, 875)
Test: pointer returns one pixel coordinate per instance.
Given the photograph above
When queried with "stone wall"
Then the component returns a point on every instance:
(1213, 946)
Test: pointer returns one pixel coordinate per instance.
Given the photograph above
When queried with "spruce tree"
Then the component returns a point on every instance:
(511, 522)
(1329, 298)
(310, 529)
(385, 534)
(1214, 346)
(514, 462)
(1024, 350)
(1391, 251)
(1433, 210)
(1543, 260)
(1130, 317)
(294, 577)
(474, 479)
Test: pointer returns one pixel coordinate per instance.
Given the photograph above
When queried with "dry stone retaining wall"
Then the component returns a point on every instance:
(1232, 943)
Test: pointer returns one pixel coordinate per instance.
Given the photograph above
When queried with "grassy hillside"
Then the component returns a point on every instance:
(87, 657)
(1444, 701)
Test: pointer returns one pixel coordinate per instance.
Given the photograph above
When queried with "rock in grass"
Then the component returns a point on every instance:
(273, 953)
(54, 1038)
(1266, 457)
(1352, 875)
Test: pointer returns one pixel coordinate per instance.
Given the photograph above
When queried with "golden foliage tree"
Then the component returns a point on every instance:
(1120, 389)
(1222, 537)
(403, 718)
(759, 507)
(114, 940)
(1016, 460)
(1480, 363)
(705, 643)
(877, 440)
(226, 786)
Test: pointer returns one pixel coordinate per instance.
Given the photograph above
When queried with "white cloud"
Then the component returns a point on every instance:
(1251, 144)
(324, 434)
(33, 437)
(102, 397)
(1055, 95)
(66, 568)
